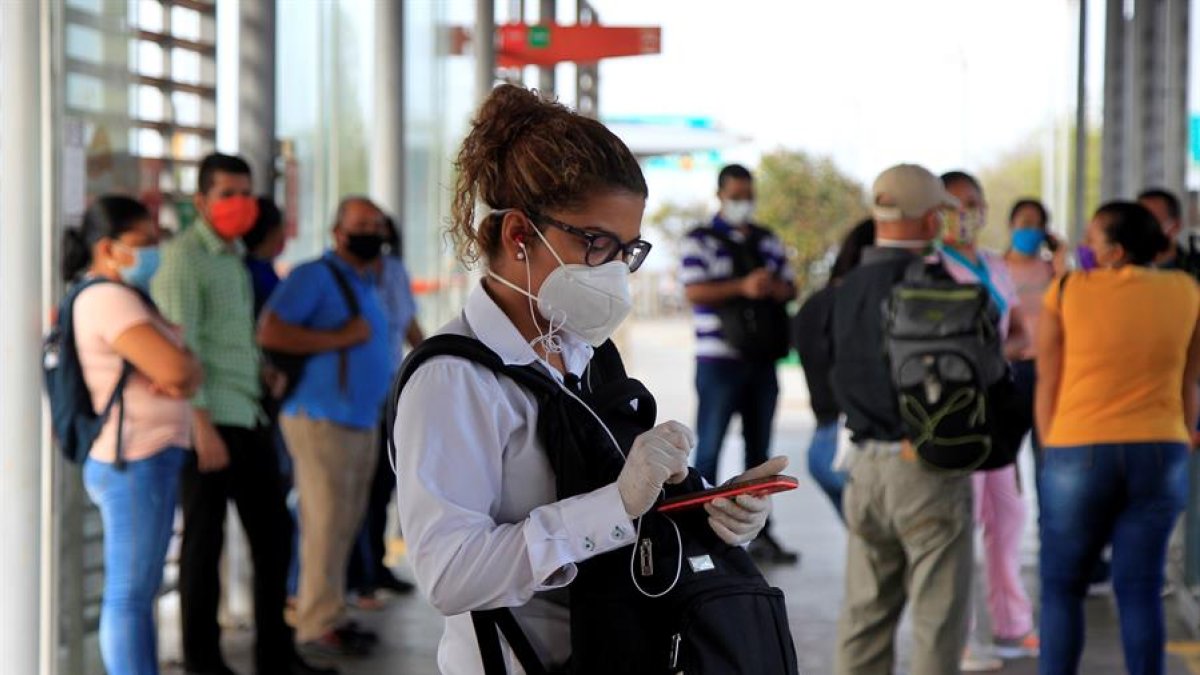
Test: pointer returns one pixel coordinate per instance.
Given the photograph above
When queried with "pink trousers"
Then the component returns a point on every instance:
(1000, 512)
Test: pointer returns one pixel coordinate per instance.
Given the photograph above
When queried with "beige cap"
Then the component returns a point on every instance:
(908, 191)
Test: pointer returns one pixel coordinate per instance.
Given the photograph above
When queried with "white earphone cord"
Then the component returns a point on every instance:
(633, 554)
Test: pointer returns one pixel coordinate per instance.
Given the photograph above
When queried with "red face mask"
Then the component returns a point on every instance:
(232, 217)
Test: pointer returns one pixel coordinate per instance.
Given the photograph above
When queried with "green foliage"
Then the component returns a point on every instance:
(809, 202)
(1019, 174)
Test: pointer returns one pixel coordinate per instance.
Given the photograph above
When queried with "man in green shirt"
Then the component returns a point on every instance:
(203, 286)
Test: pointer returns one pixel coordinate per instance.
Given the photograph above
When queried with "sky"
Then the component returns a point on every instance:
(946, 83)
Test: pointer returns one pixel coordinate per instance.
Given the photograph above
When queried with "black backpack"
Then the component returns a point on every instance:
(721, 617)
(960, 409)
(292, 365)
(74, 420)
(757, 329)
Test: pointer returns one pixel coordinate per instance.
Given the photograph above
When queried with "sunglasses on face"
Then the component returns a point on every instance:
(602, 247)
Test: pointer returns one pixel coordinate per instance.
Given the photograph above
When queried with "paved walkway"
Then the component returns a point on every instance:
(660, 354)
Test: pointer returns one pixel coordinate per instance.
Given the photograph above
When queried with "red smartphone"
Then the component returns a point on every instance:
(758, 487)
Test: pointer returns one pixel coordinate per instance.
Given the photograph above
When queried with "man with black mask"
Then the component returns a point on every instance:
(327, 314)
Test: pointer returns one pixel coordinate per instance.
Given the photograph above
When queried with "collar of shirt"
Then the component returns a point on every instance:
(721, 225)
(879, 254)
(494, 329)
(213, 242)
(347, 268)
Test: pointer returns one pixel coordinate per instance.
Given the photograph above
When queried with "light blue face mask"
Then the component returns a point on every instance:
(1027, 240)
(145, 264)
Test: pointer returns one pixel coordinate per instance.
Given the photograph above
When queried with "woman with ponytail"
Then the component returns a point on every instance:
(114, 251)
(494, 516)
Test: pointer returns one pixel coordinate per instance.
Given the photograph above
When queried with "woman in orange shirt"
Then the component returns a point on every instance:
(1118, 359)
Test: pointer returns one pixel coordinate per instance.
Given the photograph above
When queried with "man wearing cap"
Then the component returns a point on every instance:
(910, 528)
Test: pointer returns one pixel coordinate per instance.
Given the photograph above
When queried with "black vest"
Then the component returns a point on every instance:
(615, 628)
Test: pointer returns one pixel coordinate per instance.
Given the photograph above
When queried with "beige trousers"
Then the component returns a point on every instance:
(910, 542)
(333, 468)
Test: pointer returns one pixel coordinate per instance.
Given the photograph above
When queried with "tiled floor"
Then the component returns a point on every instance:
(659, 354)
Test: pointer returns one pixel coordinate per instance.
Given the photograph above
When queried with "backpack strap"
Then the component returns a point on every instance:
(351, 300)
(486, 622)
(66, 320)
(746, 254)
(1062, 291)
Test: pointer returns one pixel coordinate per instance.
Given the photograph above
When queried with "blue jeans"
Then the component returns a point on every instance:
(137, 507)
(725, 387)
(1129, 494)
(821, 452)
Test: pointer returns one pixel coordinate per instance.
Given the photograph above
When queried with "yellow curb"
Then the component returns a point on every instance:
(1190, 651)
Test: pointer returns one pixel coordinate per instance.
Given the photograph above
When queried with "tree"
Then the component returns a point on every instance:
(672, 221)
(1018, 174)
(809, 202)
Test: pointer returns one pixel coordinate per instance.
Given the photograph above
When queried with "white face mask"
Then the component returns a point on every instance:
(589, 302)
(738, 212)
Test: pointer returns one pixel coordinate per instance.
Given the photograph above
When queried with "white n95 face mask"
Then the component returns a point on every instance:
(588, 302)
(738, 212)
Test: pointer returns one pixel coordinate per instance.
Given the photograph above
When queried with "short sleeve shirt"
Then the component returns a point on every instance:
(311, 297)
(705, 260)
(102, 313)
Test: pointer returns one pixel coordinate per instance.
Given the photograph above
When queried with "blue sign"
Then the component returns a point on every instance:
(1194, 133)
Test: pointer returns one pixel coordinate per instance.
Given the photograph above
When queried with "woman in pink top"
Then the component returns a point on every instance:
(999, 505)
(1031, 272)
(115, 323)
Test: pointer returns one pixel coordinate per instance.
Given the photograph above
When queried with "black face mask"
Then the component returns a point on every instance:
(365, 247)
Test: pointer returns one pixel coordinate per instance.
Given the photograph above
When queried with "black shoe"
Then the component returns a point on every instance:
(765, 549)
(299, 666)
(338, 643)
(356, 631)
(389, 582)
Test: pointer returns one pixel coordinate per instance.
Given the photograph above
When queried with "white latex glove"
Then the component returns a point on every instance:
(658, 456)
(738, 521)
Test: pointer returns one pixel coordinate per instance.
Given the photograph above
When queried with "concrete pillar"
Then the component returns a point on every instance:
(546, 16)
(22, 223)
(387, 138)
(256, 91)
(1116, 117)
(587, 75)
(485, 48)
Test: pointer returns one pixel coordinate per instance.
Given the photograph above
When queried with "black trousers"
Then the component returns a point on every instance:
(252, 481)
(367, 568)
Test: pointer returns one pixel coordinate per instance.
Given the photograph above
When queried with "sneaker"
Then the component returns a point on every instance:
(356, 630)
(765, 549)
(978, 663)
(337, 643)
(1027, 647)
(367, 602)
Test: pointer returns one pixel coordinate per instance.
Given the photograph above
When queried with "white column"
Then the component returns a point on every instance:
(21, 226)
(256, 91)
(387, 152)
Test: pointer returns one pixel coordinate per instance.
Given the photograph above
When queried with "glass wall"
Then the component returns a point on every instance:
(325, 88)
(137, 111)
(439, 101)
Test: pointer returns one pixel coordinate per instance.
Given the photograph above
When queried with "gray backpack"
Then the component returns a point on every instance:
(947, 365)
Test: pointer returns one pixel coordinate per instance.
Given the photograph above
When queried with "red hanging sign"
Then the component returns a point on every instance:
(519, 44)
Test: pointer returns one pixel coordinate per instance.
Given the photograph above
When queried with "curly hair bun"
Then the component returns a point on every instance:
(532, 154)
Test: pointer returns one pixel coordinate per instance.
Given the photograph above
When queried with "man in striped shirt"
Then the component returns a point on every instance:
(731, 380)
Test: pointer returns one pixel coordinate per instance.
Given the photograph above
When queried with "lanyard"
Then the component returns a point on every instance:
(981, 272)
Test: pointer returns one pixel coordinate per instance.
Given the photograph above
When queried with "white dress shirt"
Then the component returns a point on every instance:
(481, 520)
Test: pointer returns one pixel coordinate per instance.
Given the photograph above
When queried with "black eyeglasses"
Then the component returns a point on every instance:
(602, 247)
